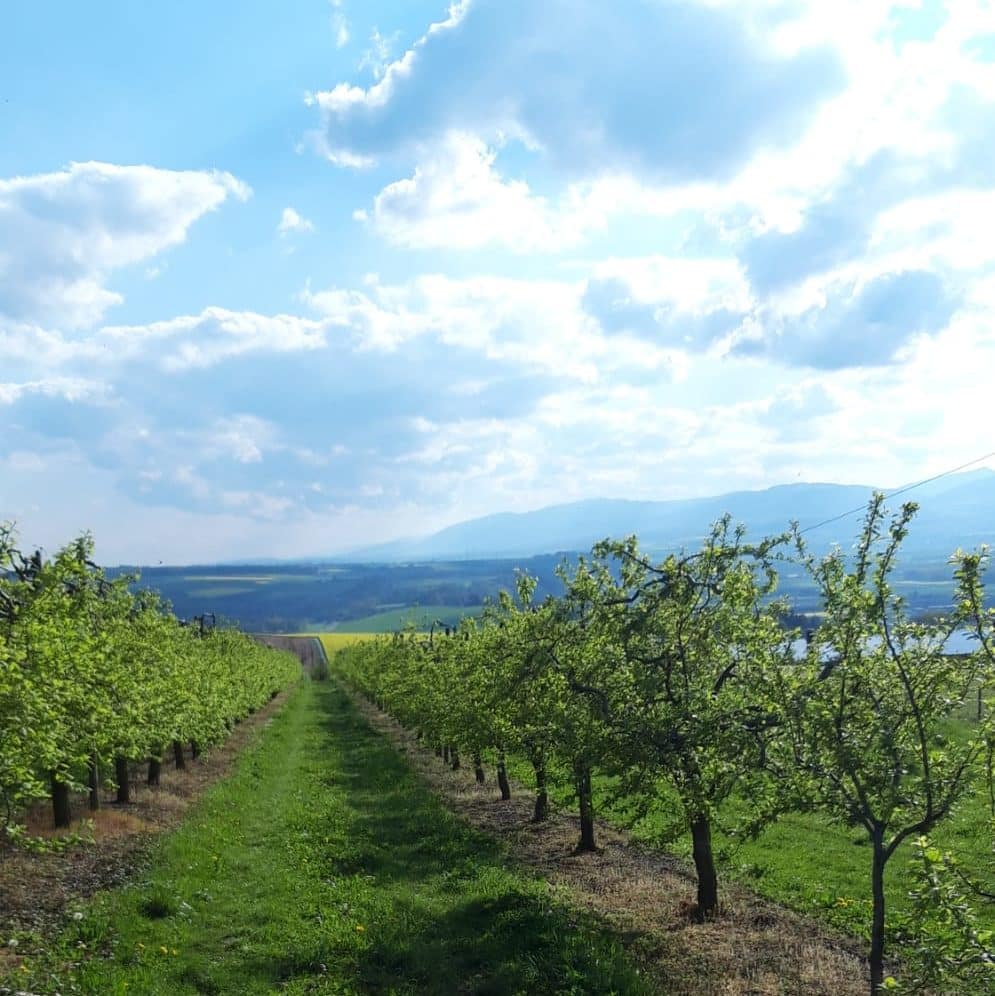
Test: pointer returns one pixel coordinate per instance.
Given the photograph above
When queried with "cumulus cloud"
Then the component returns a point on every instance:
(66, 388)
(213, 335)
(457, 199)
(291, 221)
(62, 234)
(672, 89)
(857, 326)
(835, 229)
(681, 302)
(536, 324)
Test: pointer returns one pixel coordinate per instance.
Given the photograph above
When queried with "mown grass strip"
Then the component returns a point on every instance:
(322, 866)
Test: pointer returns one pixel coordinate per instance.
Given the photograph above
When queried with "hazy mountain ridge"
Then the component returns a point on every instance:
(957, 510)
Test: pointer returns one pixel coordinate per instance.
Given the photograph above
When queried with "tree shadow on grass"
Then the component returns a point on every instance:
(397, 829)
(492, 946)
(496, 934)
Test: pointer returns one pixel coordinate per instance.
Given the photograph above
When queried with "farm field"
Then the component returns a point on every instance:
(317, 597)
(322, 866)
(335, 641)
(377, 598)
(421, 616)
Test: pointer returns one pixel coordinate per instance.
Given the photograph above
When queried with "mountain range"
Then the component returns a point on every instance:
(957, 510)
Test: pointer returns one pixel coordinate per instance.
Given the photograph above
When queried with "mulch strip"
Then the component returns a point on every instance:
(753, 948)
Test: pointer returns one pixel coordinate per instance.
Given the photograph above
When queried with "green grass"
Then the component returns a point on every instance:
(322, 866)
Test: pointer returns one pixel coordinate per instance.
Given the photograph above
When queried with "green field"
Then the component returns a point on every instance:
(242, 579)
(395, 619)
(323, 866)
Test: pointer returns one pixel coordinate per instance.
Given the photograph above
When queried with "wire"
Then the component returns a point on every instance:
(900, 491)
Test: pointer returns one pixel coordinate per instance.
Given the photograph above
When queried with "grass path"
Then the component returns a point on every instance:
(323, 866)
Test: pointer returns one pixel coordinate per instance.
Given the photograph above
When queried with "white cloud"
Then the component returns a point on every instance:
(457, 199)
(866, 323)
(291, 221)
(948, 230)
(257, 504)
(671, 90)
(67, 388)
(377, 57)
(243, 438)
(340, 25)
(907, 103)
(686, 283)
(214, 335)
(62, 234)
(534, 324)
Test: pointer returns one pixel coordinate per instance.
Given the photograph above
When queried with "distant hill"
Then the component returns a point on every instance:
(958, 510)
(455, 571)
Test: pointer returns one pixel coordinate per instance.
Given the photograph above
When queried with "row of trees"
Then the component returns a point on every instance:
(677, 678)
(94, 677)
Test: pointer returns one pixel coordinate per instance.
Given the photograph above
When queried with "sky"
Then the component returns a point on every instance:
(282, 280)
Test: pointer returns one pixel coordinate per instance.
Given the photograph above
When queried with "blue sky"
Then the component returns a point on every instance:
(282, 280)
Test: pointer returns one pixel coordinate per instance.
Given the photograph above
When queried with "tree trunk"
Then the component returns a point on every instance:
(178, 755)
(502, 777)
(155, 769)
(541, 812)
(586, 807)
(877, 923)
(445, 754)
(454, 759)
(478, 769)
(438, 752)
(121, 776)
(704, 863)
(93, 779)
(61, 813)
(194, 749)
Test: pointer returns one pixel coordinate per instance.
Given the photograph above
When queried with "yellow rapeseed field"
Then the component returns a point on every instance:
(335, 641)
